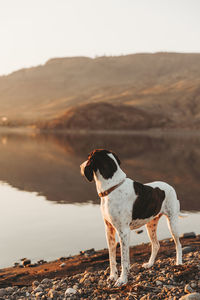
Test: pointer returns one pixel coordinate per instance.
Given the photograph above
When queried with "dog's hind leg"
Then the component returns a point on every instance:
(110, 236)
(173, 227)
(151, 230)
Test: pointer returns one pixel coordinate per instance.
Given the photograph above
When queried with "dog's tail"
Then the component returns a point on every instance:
(183, 215)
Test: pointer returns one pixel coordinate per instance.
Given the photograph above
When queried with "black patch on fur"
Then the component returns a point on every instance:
(88, 171)
(149, 201)
(99, 160)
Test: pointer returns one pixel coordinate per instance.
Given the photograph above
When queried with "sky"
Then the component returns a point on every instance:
(33, 31)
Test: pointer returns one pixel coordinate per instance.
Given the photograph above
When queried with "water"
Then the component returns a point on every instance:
(48, 210)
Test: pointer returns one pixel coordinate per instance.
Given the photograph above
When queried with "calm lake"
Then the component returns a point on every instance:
(49, 210)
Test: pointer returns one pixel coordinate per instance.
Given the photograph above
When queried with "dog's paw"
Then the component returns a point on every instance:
(147, 265)
(113, 277)
(121, 281)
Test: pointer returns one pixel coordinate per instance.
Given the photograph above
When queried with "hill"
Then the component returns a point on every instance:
(133, 91)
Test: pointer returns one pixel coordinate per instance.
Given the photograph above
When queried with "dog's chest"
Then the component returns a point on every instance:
(117, 207)
(108, 210)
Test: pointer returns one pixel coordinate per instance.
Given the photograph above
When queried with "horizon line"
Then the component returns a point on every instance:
(96, 56)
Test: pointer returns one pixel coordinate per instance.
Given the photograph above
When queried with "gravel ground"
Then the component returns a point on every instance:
(163, 281)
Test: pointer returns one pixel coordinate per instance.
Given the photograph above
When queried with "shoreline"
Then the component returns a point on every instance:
(89, 260)
(154, 132)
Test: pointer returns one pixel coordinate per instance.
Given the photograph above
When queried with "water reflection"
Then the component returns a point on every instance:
(46, 167)
(38, 229)
(49, 164)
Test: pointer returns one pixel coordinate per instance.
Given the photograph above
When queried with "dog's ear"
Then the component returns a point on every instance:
(117, 158)
(88, 172)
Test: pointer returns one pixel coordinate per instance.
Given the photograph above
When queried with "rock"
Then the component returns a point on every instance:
(81, 280)
(46, 281)
(166, 241)
(10, 290)
(62, 258)
(168, 286)
(113, 296)
(187, 249)
(158, 282)
(35, 283)
(39, 294)
(70, 291)
(193, 296)
(16, 264)
(88, 252)
(52, 294)
(100, 283)
(2, 292)
(41, 261)
(63, 265)
(26, 262)
(145, 297)
(38, 289)
(75, 287)
(188, 289)
(189, 235)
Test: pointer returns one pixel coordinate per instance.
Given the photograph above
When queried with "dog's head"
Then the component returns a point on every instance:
(103, 160)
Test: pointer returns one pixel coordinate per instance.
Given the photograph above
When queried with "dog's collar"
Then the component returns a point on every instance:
(107, 192)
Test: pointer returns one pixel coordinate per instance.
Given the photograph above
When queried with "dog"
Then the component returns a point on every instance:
(128, 205)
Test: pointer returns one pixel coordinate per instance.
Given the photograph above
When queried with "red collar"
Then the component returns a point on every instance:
(107, 192)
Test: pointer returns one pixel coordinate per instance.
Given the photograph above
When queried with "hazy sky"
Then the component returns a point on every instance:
(32, 31)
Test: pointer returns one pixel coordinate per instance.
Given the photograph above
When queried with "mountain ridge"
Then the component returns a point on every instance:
(165, 84)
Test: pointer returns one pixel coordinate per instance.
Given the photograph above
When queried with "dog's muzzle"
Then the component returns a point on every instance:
(82, 167)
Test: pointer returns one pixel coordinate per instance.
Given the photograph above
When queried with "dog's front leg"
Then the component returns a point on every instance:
(124, 236)
(110, 235)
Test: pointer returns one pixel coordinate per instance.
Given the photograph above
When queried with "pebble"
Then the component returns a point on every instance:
(2, 292)
(52, 294)
(46, 281)
(70, 291)
(38, 289)
(26, 262)
(158, 282)
(39, 294)
(88, 252)
(10, 290)
(193, 296)
(187, 249)
(35, 283)
(189, 235)
(188, 289)
(62, 265)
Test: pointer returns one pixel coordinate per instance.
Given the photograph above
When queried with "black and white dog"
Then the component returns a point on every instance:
(127, 205)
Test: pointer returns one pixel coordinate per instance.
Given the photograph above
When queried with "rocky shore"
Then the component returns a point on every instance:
(84, 276)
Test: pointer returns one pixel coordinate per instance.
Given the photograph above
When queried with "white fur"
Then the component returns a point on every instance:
(116, 210)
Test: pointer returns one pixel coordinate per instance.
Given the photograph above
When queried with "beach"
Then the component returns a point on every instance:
(84, 276)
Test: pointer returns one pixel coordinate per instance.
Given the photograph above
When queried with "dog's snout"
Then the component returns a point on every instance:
(82, 167)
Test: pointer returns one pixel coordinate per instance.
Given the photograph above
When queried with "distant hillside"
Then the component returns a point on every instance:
(134, 91)
(104, 115)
